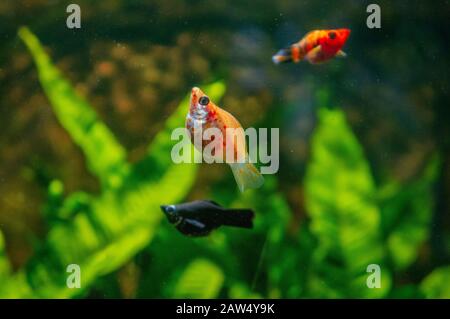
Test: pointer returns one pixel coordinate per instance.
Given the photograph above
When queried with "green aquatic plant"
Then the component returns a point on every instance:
(435, 285)
(340, 198)
(356, 222)
(101, 232)
(351, 225)
(200, 279)
(406, 212)
(5, 267)
(351, 220)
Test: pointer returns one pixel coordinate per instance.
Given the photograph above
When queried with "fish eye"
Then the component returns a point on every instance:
(204, 100)
(332, 35)
(170, 209)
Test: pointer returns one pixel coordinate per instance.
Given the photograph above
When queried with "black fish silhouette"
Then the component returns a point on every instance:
(200, 217)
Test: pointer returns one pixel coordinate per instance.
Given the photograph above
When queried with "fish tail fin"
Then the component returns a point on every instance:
(239, 218)
(246, 175)
(283, 56)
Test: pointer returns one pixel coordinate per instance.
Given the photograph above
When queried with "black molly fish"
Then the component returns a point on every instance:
(200, 217)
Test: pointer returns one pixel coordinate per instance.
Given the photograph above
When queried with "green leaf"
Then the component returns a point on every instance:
(11, 286)
(201, 279)
(107, 230)
(340, 199)
(5, 267)
(101, 233)
(106, 158)
(436, 284)
(406, 212)
(15, 287)
(241, 291)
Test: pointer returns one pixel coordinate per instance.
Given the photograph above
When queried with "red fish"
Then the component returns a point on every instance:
(316, 47)
(204, 114)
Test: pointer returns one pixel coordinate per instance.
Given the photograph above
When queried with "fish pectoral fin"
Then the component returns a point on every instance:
(341, 54)
(195, 223)
(312, 55)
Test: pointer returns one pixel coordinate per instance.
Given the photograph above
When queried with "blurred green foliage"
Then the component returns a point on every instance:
(406, 212)
(436, 284)
(340, 198)
(101, 232)
(352, 222)
(201, 279)
(4, 263)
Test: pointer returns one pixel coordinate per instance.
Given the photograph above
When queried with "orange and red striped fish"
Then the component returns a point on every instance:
(204, 114)
(316, 47)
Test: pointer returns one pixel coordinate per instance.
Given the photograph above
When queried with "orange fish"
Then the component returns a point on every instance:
(316, 47)
(204, 114)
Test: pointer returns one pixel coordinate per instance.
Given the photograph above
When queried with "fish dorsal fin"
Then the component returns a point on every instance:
(212, 202)
(341, 54)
